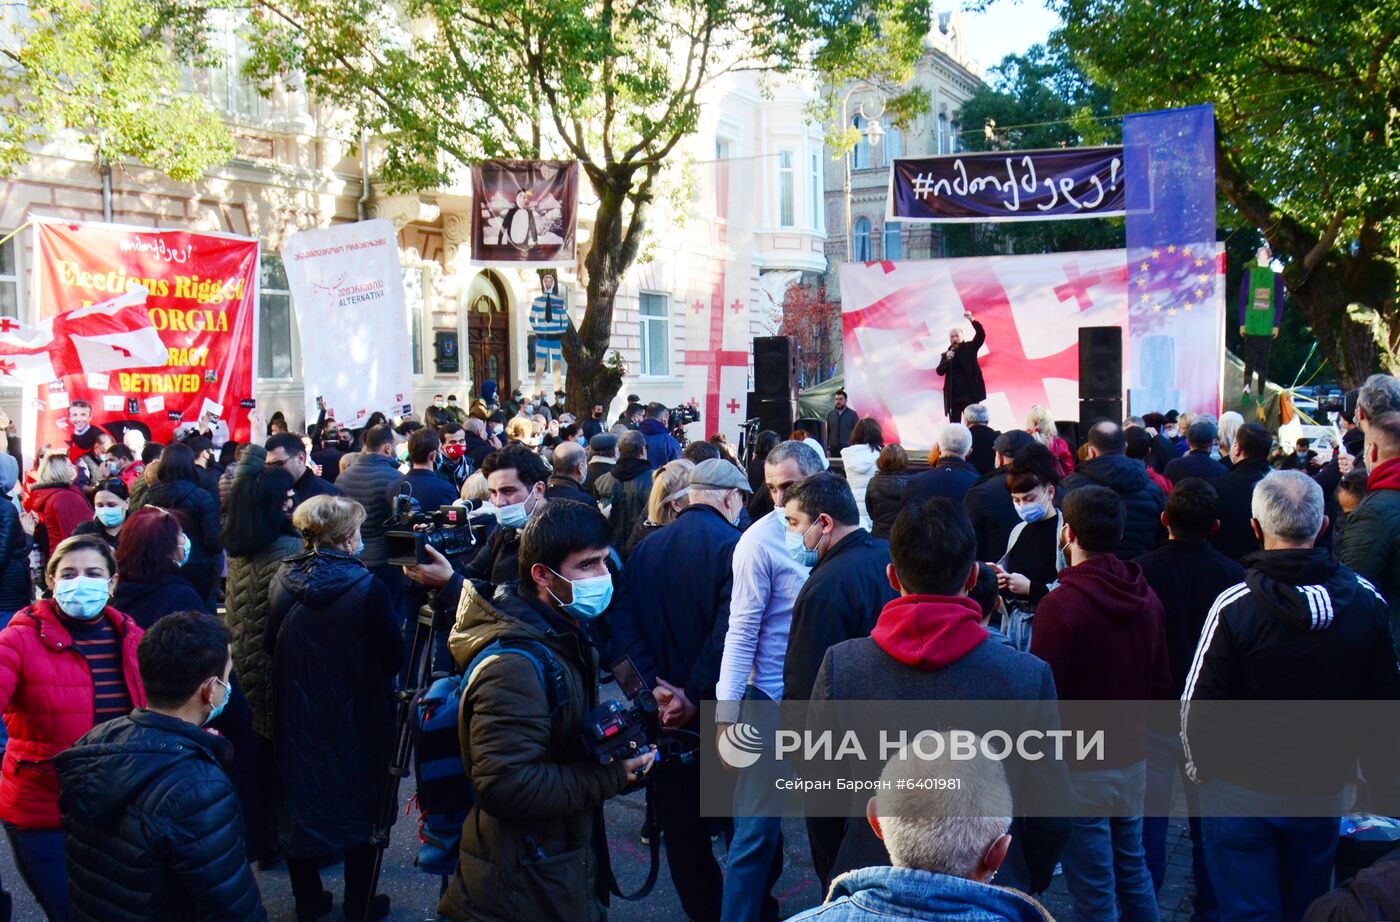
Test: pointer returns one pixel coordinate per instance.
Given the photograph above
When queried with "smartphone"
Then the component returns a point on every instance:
(629, 680)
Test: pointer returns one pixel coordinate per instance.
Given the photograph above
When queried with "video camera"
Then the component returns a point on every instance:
(615, 731)
(682, 416)
(447, 529)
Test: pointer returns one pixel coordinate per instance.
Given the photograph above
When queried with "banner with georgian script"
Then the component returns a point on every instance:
(1038, 185)
(106, 291)
(347, 289)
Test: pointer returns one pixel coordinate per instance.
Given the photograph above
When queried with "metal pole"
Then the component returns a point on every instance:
(845, 118)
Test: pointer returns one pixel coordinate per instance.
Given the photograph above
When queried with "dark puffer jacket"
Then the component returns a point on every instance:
(1372, 543)
(147, 603)
(152, 825)
(1143, 500)
(246, 599)
(335, 650)
(528, 848)
(201, 512)
(14, 559)
(367, 483)
(883, 500)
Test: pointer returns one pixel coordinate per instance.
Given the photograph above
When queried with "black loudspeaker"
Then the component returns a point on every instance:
(1092, 411)
(774, 368)
(814, 427)
(777, 415)
(1101, 364)
(1069, 431)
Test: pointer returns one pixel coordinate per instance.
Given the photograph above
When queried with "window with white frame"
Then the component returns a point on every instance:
(860, 154)
(722, 155)
(860, 239)
(229, 90)
(942, 134)
(953, 145)
(9, 278)
(274, 320)
(894, 143)
(893, 244)
(416, 302)
(818, 211)
(787, 188)
(655, 334)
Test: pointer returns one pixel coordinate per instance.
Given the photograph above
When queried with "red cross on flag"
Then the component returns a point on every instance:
(896, 318)
(717, 352)
(113, 335)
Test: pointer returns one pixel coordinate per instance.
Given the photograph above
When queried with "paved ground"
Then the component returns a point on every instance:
(415, 894)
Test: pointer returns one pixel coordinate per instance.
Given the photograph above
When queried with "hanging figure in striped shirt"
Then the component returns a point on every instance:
(549, 320)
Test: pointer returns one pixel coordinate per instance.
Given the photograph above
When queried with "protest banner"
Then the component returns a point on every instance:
(1078, 182)
(524, 212)
(144, 329)
(347, 290)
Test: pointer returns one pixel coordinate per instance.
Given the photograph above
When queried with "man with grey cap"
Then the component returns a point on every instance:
(602, 455)
(988, 501)
(671, 620)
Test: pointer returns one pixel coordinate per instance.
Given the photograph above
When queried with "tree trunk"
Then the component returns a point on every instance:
(612, 248)
(1349, 300)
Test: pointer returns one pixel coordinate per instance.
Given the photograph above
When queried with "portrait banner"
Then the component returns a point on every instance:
(348, 293)
(524, 212)
(143, 329)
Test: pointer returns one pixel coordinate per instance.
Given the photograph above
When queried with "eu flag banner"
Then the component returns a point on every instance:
(1036, 185)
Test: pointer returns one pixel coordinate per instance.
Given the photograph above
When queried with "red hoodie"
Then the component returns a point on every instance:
(1103, 633)
(929, 631)
(1384, 476)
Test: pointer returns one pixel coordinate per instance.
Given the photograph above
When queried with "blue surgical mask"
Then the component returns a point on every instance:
(1030, 512)
(591, 596)
(111, 516)
(359, 546)
(515, 515)
(219, 708)
(185, 556)
(81, 597)
(799, 551)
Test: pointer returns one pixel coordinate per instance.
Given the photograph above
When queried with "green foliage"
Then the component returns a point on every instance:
(110, 73)
(1034, 101)
(1307, 101)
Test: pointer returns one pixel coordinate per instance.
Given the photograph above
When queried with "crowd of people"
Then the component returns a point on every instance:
(151, 593)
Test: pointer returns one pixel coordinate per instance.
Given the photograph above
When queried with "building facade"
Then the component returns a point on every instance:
(746, 220)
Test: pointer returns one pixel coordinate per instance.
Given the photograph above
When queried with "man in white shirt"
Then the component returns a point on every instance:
(767, 579)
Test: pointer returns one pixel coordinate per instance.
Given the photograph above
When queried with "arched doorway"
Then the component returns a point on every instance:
(488, 331)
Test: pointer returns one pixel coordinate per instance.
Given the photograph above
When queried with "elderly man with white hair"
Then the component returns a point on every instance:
(984, 437)
(951, 475)
(945, 847)
(1301, 625)
(1380, 394)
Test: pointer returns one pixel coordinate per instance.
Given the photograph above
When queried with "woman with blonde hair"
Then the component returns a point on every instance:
(670, 493)
(335, 650)
(1041, 425)
(56, 501)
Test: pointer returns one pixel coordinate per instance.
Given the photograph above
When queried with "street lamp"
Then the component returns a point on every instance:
(873, 132)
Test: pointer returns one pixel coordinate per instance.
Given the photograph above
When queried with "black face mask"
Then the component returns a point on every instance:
(597, 415)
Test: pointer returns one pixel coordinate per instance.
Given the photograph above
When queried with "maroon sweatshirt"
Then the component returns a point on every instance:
(1103, 633)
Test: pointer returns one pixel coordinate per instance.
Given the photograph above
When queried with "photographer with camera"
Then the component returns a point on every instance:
(530, 844)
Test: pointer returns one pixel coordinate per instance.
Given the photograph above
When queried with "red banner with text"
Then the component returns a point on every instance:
(152, 330)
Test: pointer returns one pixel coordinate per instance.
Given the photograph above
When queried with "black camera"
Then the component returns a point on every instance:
(684, 415)
(447, 529)
(615, 731)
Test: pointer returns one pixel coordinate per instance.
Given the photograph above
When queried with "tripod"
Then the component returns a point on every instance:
(417, 677)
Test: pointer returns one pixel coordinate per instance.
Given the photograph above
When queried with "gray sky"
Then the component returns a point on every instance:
(1007, 27)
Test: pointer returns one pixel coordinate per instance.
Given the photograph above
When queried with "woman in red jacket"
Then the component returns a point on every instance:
(66, 665)
(1041, 425)
(60, 506)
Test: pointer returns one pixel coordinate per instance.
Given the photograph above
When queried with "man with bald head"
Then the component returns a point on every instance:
(1109, 466)
(963, 384)
(570, 470)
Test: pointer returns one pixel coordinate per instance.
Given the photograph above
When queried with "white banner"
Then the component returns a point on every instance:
(347, 288)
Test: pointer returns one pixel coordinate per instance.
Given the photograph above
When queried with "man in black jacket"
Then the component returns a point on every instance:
(570, 469)
(1143, 500)
(152, 825)
(672, 622)
(1250, 452)
(287, 451)
(1299, 626)
(951, 475)
(984, 438)
(848, 585)
(988, 501)
(367, 483)
(963, 384)
(1187, 575)
(476, 445)
(840, 424)
(1197, 462)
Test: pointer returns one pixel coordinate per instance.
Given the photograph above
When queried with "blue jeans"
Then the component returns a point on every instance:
(39, 857)
(1165, 762)
(1103, 861)
(1264, 868)
(756, 851)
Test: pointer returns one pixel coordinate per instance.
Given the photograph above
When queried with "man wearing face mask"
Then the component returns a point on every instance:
(515, 484)
(526, 740)
(672, 623)
(152, 822)
(570, 470)
(287, 451)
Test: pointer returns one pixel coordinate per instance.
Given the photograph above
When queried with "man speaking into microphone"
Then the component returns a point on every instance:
(964, 385)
